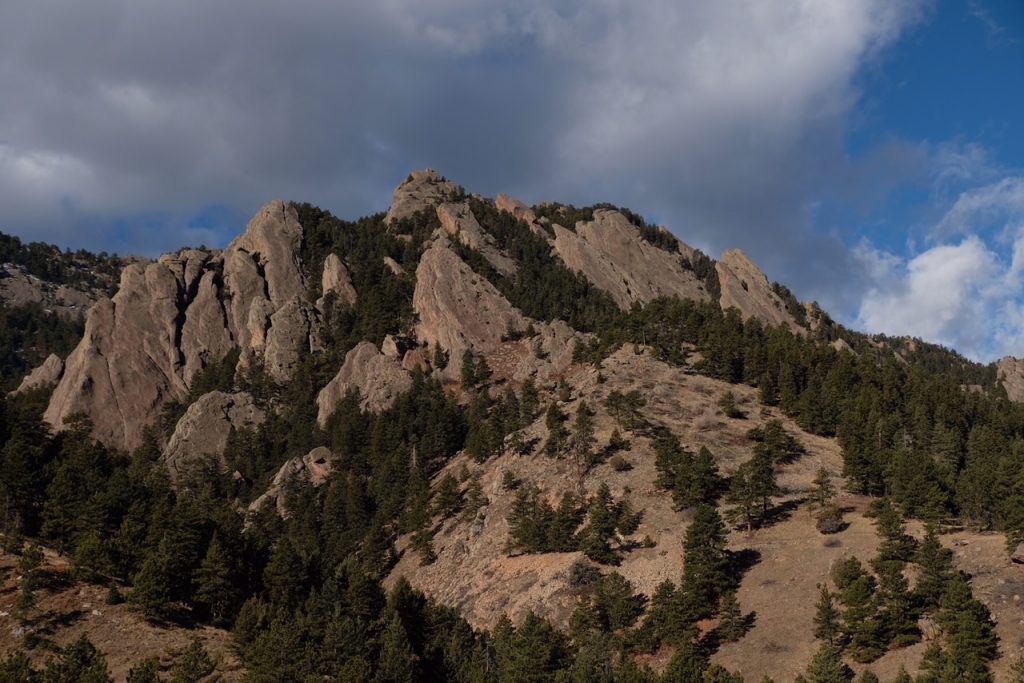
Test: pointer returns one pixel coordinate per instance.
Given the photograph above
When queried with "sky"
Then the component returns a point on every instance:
(866, 153)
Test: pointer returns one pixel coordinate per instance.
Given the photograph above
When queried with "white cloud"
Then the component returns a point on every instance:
(969, 294)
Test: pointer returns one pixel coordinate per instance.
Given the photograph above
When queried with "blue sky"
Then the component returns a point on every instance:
(867, 153)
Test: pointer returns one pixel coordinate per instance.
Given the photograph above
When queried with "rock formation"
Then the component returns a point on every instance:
(421, 190)
(46, 375)
(380, 379)
(458, 308)
(611, 253)
(460, 223)
(336, 280)
(312, 469)
(171, 318)
(1010, 372)
(746, 288)
(202, 432)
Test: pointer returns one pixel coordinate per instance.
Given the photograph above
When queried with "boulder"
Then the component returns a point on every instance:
(1018, 554)
(394, 266)
(1010, 372)
(202, 432)
(337, 280)
(312, 469)
(745, 287)
(458, 308)
(421, 190)
(416, 359)
(460, 223)
(380, 380)
(611, 253)
(46, 375)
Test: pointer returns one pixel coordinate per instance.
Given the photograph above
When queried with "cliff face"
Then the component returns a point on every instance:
(171, 318)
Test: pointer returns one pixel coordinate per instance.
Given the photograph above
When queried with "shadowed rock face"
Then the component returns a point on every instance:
(311, 469)
(202, 432)
(746, 288)
(379, 378)
(611, 253)
(1010, 372)
(171, 318)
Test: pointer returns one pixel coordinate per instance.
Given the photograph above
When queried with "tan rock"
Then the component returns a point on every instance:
(202, 432)
(312, 469)
(393, 266)
(46, 375)
(515, 207)
(746, 288)
(380, 380)
(1010, 371)
(336, 279)
(171, 318)
(205, 337)
(611, 253)
(460, 223)
(1018, 554)
(416, 359)
(458, 308)
(421, 190)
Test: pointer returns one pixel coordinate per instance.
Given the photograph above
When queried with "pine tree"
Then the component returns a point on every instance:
(79, 662)
(896, 610)
(828, 667)
(192, 665)
(824, 491)
(687, 664)
(535, 651)
(936, 569)
(583, 439)
(216, 584)
(901, 676)
(146, 671)
(706, 561)
(557, 434)
(826, 618)
(596, 536)
(967, 625)
(868, 677)
(152, 585)
(448, 497)
(397, 663)
(731, 622)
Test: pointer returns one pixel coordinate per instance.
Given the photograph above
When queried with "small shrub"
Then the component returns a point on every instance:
(648, 542)
(582, 574)
(509, 481)
(830, 520)
(620, 464)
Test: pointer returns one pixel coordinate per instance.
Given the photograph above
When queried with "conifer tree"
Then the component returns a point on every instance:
(936, 569)
(582, 439)
(397, 659)
(216, 583)
(152, 585)
(731, 622)
(826, 618)
(146, 671)
(448, 497)
(828, 667)
(967, 626)
(824, 491)
(79, 662)
(706, 561)
(192, 665)
(557, 434)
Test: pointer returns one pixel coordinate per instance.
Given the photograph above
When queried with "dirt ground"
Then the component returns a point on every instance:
(72, 608)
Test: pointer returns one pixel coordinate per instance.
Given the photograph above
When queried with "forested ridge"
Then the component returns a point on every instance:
(303, 595)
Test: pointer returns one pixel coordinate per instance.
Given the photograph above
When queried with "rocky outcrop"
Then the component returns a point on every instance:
(380, 379)
(421, 190)
(18, 287)
(336, 280)
(312, 469)
(171, 318)
(745, 287)
(610, 252)
(202, 432)
(1010, 372)
(460, 223)
(46, 375)
(457, 308)
(515, 207)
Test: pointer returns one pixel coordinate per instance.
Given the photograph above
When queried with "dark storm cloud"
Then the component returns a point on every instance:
(141, 125)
